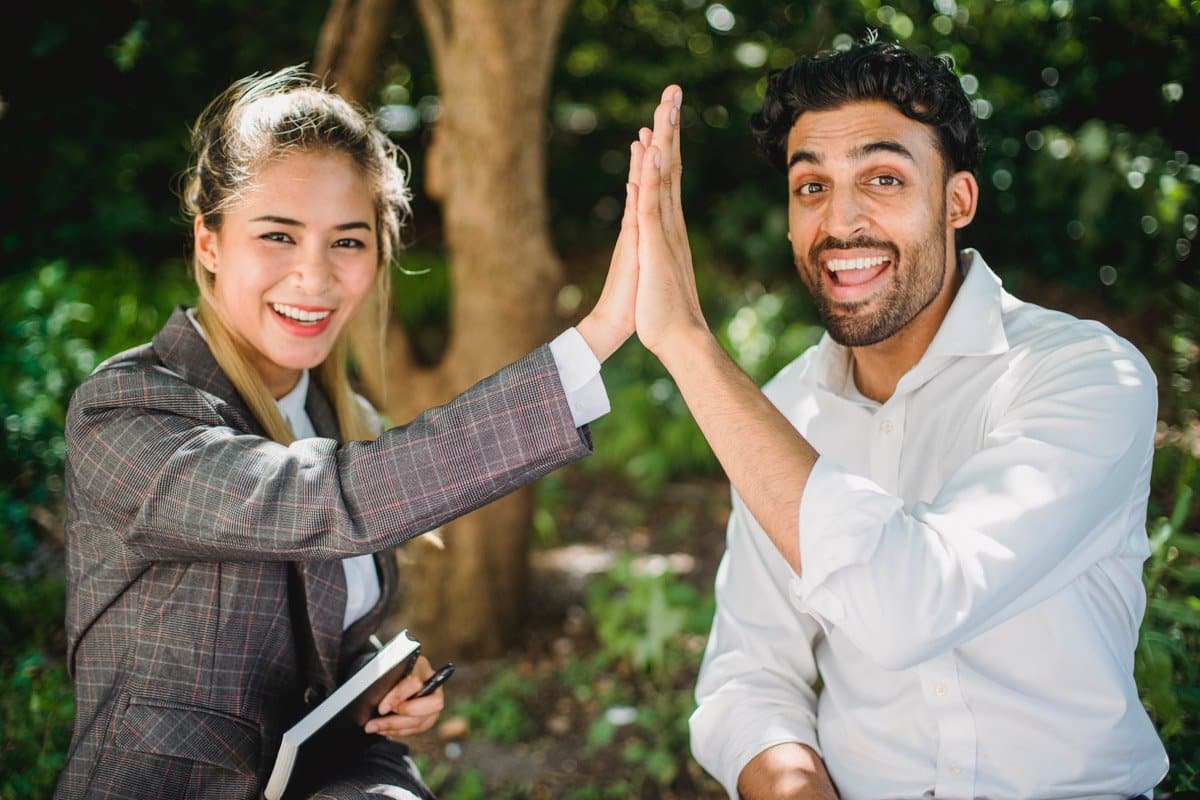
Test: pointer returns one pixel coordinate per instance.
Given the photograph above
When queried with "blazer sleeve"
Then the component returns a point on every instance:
(152, 456)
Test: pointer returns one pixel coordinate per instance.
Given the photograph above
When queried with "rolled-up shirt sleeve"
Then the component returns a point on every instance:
(579, 371)
(754, 690)
(1013, 524)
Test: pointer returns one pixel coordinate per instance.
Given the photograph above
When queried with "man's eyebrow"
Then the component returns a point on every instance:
(882, 146)
(857, 154)
(805, 156)
(345, 226)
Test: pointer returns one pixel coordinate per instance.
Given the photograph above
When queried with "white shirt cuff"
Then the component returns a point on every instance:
(842, 517)
(579, 371)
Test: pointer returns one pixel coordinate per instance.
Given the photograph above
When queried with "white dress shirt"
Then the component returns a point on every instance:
(972, 553)
(579, 372)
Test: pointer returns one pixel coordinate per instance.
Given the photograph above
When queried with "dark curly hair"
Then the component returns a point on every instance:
(923, 88)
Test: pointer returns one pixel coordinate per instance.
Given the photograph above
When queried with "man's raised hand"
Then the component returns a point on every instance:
(668, 307)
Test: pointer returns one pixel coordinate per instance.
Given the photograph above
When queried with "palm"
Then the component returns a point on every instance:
(667, 302)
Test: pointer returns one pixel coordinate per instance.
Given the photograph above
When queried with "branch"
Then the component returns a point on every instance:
(435, 18)
(349, 43)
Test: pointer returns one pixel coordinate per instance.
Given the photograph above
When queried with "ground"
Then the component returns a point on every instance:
(596, 518)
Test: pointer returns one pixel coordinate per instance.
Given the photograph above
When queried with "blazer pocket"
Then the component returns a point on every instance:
(189, 732)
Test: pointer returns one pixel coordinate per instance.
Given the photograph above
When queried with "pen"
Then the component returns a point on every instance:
(435, 680)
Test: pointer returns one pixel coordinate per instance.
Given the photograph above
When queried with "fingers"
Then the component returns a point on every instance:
(666, 116)
(649, 185)
(399, 725)
(407, 686)
(399, 716)
(636, 152)
(676, 158)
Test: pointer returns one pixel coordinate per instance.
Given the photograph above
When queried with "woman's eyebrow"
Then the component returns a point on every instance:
(345, 226)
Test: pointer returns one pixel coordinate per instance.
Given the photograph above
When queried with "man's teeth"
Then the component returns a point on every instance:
(839, 264)
(299, 314)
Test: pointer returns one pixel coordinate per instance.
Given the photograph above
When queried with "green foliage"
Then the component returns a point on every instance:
(1089, 178)
(97, 101)
(500, 711)
(1167, 664)
(642, 618)
(36, 719)
(650, 627)
(58, 323)
(468, 785)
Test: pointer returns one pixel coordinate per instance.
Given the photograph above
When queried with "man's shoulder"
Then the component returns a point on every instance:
(1044, 336)
(797, 378)
(1031, 326)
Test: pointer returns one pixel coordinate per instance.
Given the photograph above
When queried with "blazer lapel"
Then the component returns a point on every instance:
(184, 351)
(324, 581)
(354, 638)
(319, 587)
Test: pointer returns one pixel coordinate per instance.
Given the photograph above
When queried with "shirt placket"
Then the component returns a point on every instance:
(887, 442)
(956, 752)
(939, 676)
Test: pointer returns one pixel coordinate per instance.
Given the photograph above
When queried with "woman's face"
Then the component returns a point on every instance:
(293, 261)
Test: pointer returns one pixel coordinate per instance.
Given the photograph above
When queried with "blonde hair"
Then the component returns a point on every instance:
(257, 120)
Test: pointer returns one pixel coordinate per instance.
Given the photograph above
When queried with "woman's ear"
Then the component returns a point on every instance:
(205, 245)
(962, 199)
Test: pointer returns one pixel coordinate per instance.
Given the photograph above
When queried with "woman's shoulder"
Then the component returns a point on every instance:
(134, 377)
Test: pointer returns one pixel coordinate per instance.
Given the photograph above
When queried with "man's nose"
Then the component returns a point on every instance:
(845, 217)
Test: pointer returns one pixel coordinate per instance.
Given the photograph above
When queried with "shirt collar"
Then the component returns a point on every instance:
(974, 326)
(291, 405)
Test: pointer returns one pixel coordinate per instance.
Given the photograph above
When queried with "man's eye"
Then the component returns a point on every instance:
(887, 180)
(809, 188)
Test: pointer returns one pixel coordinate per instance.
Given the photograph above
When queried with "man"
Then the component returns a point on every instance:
(939, 510)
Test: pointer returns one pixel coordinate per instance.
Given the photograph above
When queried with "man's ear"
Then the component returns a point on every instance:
(962, 199)
(205, 245)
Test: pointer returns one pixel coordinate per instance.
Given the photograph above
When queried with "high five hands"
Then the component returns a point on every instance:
(651, 286)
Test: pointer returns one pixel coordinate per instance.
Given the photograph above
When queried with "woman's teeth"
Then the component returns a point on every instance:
(299, 314)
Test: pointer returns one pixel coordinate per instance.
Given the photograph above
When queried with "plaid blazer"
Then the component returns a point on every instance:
(205, 589)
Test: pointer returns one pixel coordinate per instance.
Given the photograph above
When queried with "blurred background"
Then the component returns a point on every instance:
(577, 610)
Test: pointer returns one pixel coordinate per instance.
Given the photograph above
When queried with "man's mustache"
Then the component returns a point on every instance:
(830, 243)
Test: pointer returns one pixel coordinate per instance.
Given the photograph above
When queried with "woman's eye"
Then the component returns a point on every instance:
(276, 236)
(355, 243)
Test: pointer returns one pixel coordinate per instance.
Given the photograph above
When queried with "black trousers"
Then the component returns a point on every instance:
(371, 768)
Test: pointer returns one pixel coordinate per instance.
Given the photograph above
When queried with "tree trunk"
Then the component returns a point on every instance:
(487, 168)
(348, 45)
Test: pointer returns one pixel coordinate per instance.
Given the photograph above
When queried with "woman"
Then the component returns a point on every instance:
(230, 499)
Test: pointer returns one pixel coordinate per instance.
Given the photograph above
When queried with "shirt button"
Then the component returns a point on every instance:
(955, 770)
(886, 426)
(940, 690)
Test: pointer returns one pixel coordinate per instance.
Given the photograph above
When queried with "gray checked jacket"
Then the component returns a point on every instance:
(205, 590)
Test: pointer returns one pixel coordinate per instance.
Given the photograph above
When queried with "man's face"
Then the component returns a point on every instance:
(867, 218)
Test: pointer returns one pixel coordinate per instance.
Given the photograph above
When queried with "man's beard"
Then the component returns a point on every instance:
(915, 284)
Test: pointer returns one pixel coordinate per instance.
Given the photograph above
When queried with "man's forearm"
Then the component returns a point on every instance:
(786, 772)
(765, 458)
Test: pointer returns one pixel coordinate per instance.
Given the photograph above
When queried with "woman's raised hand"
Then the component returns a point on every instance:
(611, 322)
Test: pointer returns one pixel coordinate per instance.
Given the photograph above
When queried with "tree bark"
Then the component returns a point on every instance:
(493, 60)
(348, 45)
(487, 167)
